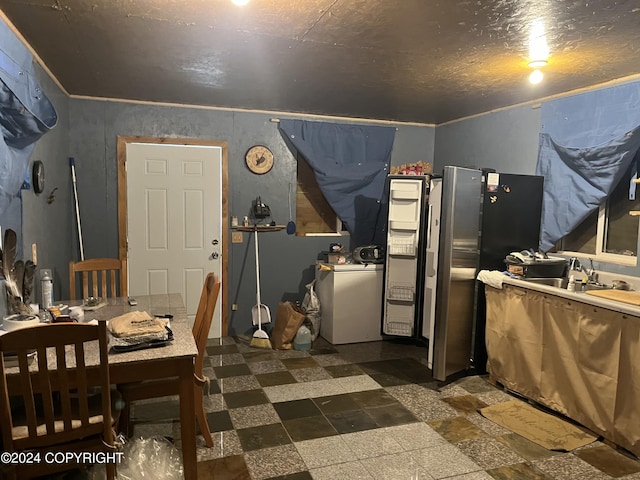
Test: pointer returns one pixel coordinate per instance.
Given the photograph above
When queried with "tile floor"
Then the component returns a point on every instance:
(361, 411)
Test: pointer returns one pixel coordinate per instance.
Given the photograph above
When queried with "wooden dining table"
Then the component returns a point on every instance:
(174, 361)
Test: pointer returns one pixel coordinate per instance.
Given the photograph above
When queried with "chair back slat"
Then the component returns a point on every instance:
(94, 284)
(113, 280)
(45, 391)
(85, 285)
(65, 389)
(5, 414)
(27, 388)
(83, 400)
(100, 277)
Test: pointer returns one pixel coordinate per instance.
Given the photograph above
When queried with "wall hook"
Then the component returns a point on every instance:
(52, 196)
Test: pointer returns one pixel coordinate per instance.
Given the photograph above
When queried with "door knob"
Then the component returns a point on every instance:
(215, 255)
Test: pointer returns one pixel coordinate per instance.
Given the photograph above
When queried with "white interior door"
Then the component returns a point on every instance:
(174, 221)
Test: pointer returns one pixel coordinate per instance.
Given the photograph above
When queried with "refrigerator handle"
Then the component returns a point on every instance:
(429, 226)
(430, 260)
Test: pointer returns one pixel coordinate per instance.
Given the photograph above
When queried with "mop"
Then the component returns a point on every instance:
(72, 164)
(260, 338)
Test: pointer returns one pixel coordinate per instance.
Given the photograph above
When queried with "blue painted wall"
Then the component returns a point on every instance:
(506, 140)
(286, 261)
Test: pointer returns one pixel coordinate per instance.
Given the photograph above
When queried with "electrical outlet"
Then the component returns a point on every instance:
(234, 307)
(236, 237)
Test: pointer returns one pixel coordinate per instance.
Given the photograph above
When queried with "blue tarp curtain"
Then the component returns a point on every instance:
(350, 163)
(588, 143)
(25, 115)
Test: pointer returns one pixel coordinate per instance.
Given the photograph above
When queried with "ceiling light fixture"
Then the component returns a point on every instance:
(537, 63)
(538, 48)
(536, 77)
(240, 2)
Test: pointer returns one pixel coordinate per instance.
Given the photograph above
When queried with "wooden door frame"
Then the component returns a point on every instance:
(122, 202)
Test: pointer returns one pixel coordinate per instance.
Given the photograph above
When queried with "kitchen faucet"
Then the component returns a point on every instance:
(591, 273)
(574, 264)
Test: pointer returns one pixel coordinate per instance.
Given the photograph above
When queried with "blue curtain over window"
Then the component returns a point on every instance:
(350, 163)
(578, 180)
(587, 144)
(25, 115)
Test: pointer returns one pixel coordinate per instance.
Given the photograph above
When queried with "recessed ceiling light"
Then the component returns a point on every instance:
(240, 2)
(535, 77)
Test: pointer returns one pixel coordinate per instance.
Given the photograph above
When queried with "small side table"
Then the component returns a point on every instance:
(259, 228)
(259, 309)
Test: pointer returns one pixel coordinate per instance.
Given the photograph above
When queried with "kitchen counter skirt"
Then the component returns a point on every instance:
(573, 356)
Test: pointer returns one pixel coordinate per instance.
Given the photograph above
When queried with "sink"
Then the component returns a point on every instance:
(593, 286)
(562, 283)
(552, 282)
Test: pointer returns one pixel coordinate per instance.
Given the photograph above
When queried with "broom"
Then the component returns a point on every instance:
(260, 338)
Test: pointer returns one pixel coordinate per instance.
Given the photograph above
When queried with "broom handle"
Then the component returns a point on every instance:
(255, 233)
(72, 162)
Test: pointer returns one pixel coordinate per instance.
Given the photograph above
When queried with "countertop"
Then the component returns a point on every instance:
(579, 296)
(349, 267)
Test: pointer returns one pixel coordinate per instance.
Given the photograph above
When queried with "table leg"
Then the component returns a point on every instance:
(188, 421)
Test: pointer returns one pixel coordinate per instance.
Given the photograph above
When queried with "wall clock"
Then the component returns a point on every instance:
(37, 176)
(259, 159)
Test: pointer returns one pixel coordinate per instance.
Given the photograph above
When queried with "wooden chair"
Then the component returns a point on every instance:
(132, 392)
(103, 277)
(53, 409)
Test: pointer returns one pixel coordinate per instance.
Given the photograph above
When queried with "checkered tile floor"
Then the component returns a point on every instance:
(361, 411)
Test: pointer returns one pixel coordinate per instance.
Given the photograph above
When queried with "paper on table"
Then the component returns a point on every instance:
(135, 324)
(93, 307)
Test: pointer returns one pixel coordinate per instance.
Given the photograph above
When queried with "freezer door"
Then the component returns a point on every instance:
(457, 267)
(403, 268)
(431, 263)
(511, 211)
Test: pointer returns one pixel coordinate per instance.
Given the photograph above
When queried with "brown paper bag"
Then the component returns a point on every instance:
(288, 321)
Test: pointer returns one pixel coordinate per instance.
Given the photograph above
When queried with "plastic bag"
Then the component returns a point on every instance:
(311, 304)
(154, 458)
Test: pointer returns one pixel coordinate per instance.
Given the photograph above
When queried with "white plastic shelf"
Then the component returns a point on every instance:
(403, 225)
(405, 194)
(399, 327)
(404, 248)
(401, 292)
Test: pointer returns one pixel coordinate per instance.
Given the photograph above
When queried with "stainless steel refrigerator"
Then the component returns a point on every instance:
(484, 216)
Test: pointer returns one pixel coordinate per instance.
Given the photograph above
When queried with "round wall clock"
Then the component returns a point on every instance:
(259, 159)
(37, 176)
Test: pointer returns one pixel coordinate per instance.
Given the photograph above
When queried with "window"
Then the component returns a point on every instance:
(314, 215)
(609, 233)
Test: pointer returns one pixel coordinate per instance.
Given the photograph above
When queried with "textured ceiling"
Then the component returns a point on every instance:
(421, 61)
